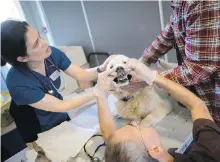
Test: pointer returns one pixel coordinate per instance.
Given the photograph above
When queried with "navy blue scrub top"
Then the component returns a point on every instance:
(26, 89)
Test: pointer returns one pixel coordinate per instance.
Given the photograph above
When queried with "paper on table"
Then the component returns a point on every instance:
(89, 117)
(31, 155)
(64, 141)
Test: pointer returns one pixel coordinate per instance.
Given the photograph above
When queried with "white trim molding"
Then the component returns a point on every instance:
(20, 10)
(87, 25)
(162, 21)
(89, 30)
(45, 23)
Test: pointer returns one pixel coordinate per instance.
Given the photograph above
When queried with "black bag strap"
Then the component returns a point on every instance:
(3, 62)
(26, 121)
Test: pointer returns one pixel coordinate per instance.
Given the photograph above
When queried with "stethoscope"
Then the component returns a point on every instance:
(92, 157)
(49, 90)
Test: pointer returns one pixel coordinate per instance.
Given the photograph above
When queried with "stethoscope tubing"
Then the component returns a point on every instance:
(50, 91)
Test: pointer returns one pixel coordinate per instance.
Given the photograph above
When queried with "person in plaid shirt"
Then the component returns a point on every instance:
(194, 30)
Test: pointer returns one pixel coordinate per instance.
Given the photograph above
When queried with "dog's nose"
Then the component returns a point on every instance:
(120, 68)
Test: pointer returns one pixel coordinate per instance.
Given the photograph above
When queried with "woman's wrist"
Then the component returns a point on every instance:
(150, 77)
(157, 79)
(101, 68)
(102, 95)
(99, 93)
(92, 95)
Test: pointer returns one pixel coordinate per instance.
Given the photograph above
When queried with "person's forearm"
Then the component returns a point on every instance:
(105, 118)
(82, 74)
(67, 105)
(53, 104)
(189, 73)
(160, 46)
(91, 74)
(177, 91)
(181, 94)
(57, 105)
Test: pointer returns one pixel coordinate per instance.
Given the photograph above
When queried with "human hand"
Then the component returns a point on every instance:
(104, 83)
(104, 65)
(140, 71)
(153, 144)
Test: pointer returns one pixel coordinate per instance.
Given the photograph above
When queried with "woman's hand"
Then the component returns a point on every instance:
(140, 71)
(104, 83)
(104, 65)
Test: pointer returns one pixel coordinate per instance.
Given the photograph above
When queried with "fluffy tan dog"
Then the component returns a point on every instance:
(148, 105)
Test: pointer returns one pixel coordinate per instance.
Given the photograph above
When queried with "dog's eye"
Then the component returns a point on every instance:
(125, 62)
(111, 67)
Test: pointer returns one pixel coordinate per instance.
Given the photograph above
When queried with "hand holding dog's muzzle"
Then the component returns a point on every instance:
(104, 83)
(105, 64)
(140, 71)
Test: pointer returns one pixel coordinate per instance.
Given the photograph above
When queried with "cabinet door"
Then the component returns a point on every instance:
(77, 56)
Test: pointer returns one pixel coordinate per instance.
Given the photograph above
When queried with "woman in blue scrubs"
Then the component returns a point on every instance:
(34, 80)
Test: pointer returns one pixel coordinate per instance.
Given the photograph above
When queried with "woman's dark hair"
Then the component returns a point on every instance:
(13, 41)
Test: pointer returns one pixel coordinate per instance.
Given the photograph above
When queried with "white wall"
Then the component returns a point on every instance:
(116, 26)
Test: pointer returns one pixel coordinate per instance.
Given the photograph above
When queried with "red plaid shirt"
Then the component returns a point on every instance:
(195, 28)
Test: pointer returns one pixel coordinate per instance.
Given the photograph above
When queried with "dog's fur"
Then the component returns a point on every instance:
(149, 105)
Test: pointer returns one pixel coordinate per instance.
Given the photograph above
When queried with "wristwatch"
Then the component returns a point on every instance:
(98, 70)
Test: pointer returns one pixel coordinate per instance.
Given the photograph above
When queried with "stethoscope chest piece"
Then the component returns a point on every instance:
(96, 160)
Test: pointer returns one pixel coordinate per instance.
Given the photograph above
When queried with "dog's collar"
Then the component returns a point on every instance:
(125, 99)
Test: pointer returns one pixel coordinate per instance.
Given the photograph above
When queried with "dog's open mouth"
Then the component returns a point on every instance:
(122, 79)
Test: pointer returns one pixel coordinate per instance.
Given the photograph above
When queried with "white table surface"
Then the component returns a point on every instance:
(173, 129)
